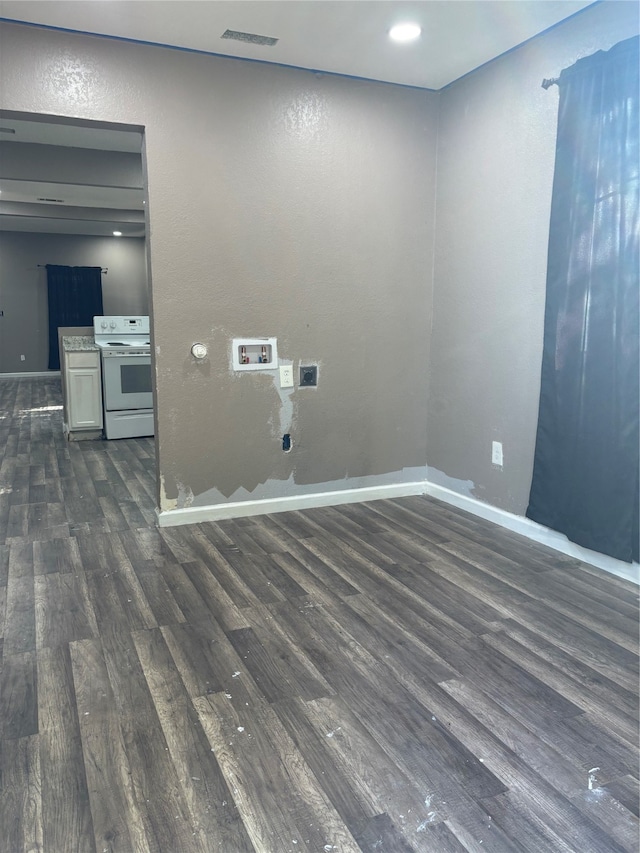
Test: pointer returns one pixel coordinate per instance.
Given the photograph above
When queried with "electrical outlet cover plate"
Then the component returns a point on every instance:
(286, 376)
(308, 376)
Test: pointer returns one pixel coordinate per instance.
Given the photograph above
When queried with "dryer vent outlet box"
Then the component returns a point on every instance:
(254, 353)
(309, 376)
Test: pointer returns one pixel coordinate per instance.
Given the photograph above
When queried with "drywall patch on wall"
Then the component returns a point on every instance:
(275, 488)
(439, 478)
(185, 496)
(166, 504)
(243, 509)
(248, 408)
(286, 410)
(287, 407)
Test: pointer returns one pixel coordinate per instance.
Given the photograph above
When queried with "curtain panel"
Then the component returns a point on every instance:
(585, 478)
(75, 298)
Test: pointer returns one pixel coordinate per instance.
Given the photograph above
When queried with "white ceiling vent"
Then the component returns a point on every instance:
(249, 38)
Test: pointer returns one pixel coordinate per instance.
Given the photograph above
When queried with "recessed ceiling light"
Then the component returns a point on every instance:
(117, 233)
(405, 32)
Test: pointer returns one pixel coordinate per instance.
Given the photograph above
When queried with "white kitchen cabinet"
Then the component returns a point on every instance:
(83, 382)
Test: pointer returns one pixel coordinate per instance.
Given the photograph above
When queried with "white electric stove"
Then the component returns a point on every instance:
(126, 375)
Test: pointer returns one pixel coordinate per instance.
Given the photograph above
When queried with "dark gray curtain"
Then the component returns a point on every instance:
(75, 298)
(585, 478)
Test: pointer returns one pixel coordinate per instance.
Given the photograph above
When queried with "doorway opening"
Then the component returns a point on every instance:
(73, 193)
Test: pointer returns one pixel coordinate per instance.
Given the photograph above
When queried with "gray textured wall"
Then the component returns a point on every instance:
(299, 205)
(23, 287)
(281, 203)
(495, 171)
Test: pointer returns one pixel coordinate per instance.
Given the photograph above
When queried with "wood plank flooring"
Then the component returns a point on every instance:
(394, 676)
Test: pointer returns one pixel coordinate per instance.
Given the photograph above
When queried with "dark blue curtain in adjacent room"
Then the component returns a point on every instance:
(585, 478)
(75, 298)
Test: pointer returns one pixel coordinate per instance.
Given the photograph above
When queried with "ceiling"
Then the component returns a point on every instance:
(348, 37)
(72, 206)
(340, 36)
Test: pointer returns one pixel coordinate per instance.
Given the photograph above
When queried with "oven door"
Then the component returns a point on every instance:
(127, 382)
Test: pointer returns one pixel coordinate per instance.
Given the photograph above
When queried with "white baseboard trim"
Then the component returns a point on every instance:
(34, 375)
(516, 523)
(240, 509)
(535, 531)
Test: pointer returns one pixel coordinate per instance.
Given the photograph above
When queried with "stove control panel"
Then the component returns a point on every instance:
(120, 326)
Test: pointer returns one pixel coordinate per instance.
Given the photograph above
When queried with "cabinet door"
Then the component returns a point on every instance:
(84, 397)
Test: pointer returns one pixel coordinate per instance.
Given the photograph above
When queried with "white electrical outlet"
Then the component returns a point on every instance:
(286, 376)
(22, 358)
(496, 453)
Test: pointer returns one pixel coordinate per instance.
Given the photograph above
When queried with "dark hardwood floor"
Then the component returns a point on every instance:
(394, 676)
